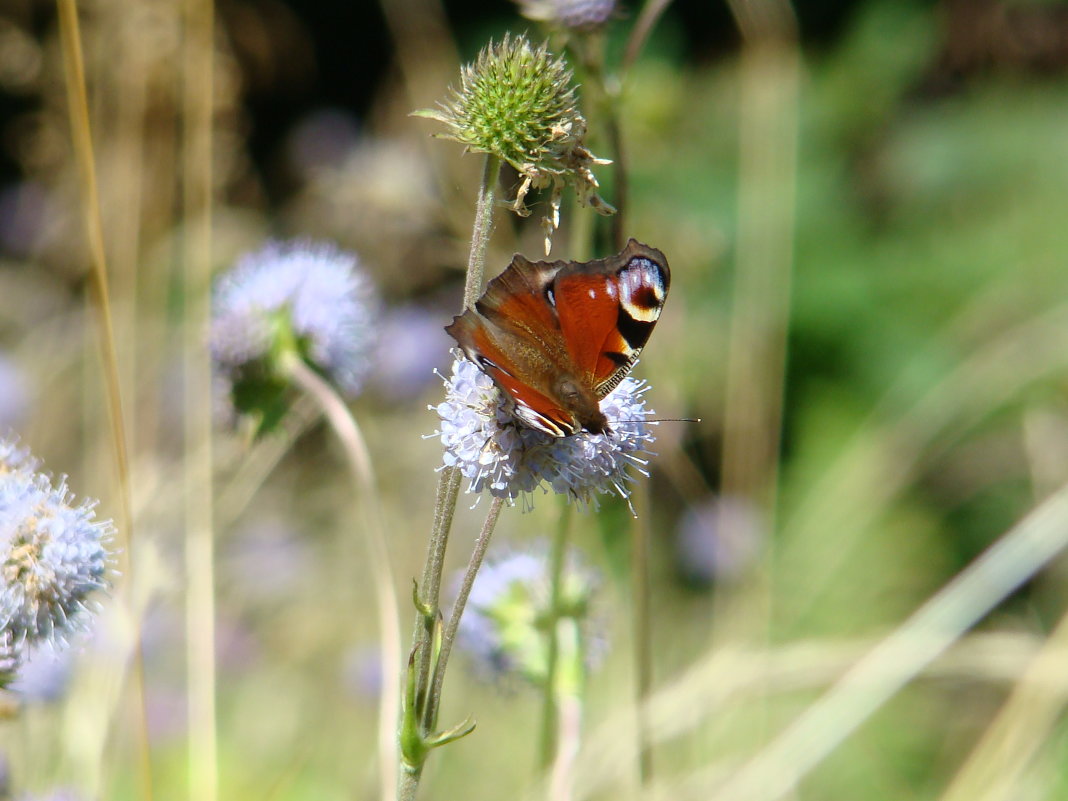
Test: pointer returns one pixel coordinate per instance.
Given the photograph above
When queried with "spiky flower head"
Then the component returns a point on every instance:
(517, 102)
(509, 613)
(495, 452)
(307, 296)
(576, 15)
(52, 554)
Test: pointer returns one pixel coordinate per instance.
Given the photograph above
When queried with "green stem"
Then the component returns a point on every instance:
(448, 487)
(549, 716)
(449, 637)
(480, 236)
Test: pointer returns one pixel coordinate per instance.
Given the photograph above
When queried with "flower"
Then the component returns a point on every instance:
(304, 295)
(517, 103)
(579, 15)
(717, 540)
(52, 554)
(411, 345)
(44, 674)
(504, 625)
(495, 452)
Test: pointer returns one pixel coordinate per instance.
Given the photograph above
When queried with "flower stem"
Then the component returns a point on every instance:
(449, 637)
(100, 296)
(480, 236)
(549, 717)
(348, 432)
(428, 593)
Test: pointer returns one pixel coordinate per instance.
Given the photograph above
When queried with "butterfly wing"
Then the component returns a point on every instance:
(503, 355)
(607, 309)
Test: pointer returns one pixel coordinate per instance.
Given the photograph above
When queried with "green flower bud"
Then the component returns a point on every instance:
(517, 102)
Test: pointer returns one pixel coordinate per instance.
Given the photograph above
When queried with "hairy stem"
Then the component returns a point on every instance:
(448, 489)
(448, 639)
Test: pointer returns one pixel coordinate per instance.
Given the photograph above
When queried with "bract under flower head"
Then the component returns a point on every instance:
(52, 553)
(503, 625)
(309, 294)
(517, 102)
(494, 452)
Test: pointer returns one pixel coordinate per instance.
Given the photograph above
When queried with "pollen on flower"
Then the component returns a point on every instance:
(308, 295)
(495, 453)
(53, 556)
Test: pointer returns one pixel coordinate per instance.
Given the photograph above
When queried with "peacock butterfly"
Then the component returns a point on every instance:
(557, 337)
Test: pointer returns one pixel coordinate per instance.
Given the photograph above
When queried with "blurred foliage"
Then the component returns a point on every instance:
(925, 409)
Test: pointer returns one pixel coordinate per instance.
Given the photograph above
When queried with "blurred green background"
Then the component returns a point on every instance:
(866, 224)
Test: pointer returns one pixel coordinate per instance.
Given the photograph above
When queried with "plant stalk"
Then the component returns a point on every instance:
(351, 437)
(429, 591)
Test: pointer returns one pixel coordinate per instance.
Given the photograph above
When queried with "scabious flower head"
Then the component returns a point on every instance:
(307, 295)
(495, 452)
(576, 15)
(505, 623)
(53, 554)
(718, 539)
(517, 102)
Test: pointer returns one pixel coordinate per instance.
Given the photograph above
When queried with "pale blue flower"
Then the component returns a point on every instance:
(718, 539)
(494, 452)
(503, 627)
(582, 15)
(44, 674)
(52, 553)
(314, 293)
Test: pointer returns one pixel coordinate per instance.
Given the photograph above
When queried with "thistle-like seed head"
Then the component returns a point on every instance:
(517, 102)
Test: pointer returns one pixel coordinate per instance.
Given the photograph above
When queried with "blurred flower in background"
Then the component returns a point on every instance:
(718, 539)
(266, 560)
(581, 15)
(505, 622)
(26, 209)
(44, 675)
(495, 452)
(412, 343)
(361, 671)
(54, 557)
(311, 297)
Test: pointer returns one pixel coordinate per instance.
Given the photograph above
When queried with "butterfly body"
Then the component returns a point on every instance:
(557, 337)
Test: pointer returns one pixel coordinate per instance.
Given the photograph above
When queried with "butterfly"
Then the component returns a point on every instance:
(557, 337)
